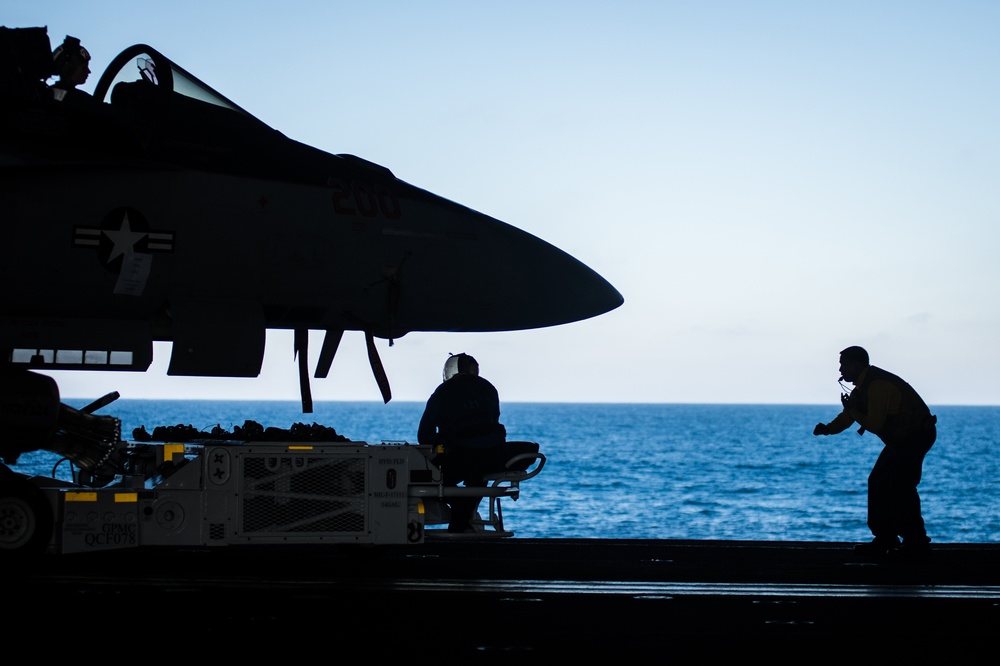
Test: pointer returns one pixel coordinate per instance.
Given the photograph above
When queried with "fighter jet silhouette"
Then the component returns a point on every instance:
(159, 210)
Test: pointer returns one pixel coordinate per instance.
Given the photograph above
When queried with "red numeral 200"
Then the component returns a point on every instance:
(361, 197)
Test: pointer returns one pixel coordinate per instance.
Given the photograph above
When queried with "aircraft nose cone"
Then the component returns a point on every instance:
(544, 286)
(491, 276)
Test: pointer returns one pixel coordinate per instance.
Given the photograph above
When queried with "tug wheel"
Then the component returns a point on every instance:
(25, 517)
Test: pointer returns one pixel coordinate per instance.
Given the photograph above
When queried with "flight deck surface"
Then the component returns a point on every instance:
(525, 598)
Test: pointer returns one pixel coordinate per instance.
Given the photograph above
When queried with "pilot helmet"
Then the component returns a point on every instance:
(459, 364)
(67, 53)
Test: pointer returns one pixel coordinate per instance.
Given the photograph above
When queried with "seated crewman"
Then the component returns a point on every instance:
(463, 417)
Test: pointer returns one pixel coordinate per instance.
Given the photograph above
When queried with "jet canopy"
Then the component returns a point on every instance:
(141, 63)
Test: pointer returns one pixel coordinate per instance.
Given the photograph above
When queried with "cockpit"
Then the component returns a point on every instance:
(146, 107)
(141, 64)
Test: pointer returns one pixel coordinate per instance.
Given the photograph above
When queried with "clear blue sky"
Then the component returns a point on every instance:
(765, 182)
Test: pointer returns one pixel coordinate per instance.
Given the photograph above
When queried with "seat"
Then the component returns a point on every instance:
(524, 462)
(520, 467)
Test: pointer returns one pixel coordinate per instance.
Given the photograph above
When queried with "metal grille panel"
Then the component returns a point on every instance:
(303, 495)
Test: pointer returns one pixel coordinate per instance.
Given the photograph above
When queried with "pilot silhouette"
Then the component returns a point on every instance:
(71, 63)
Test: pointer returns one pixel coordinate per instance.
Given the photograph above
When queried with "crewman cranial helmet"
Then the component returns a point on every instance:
(70, 51)
(459, 364)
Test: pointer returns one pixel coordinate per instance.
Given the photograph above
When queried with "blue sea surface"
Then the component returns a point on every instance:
(663, 471)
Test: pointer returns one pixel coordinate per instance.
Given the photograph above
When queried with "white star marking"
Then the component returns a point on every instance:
(124, 239)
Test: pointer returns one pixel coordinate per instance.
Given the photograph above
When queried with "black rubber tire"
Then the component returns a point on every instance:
(25, 517)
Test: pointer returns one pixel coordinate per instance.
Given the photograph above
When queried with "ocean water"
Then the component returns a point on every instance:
(664, 471)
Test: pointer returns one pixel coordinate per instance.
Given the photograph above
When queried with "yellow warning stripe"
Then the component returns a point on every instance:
(90, 496)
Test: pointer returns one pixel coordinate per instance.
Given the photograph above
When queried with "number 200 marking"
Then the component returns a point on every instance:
(362, 197)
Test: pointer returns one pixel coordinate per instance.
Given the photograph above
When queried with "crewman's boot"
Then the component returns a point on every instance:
(877, 547)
